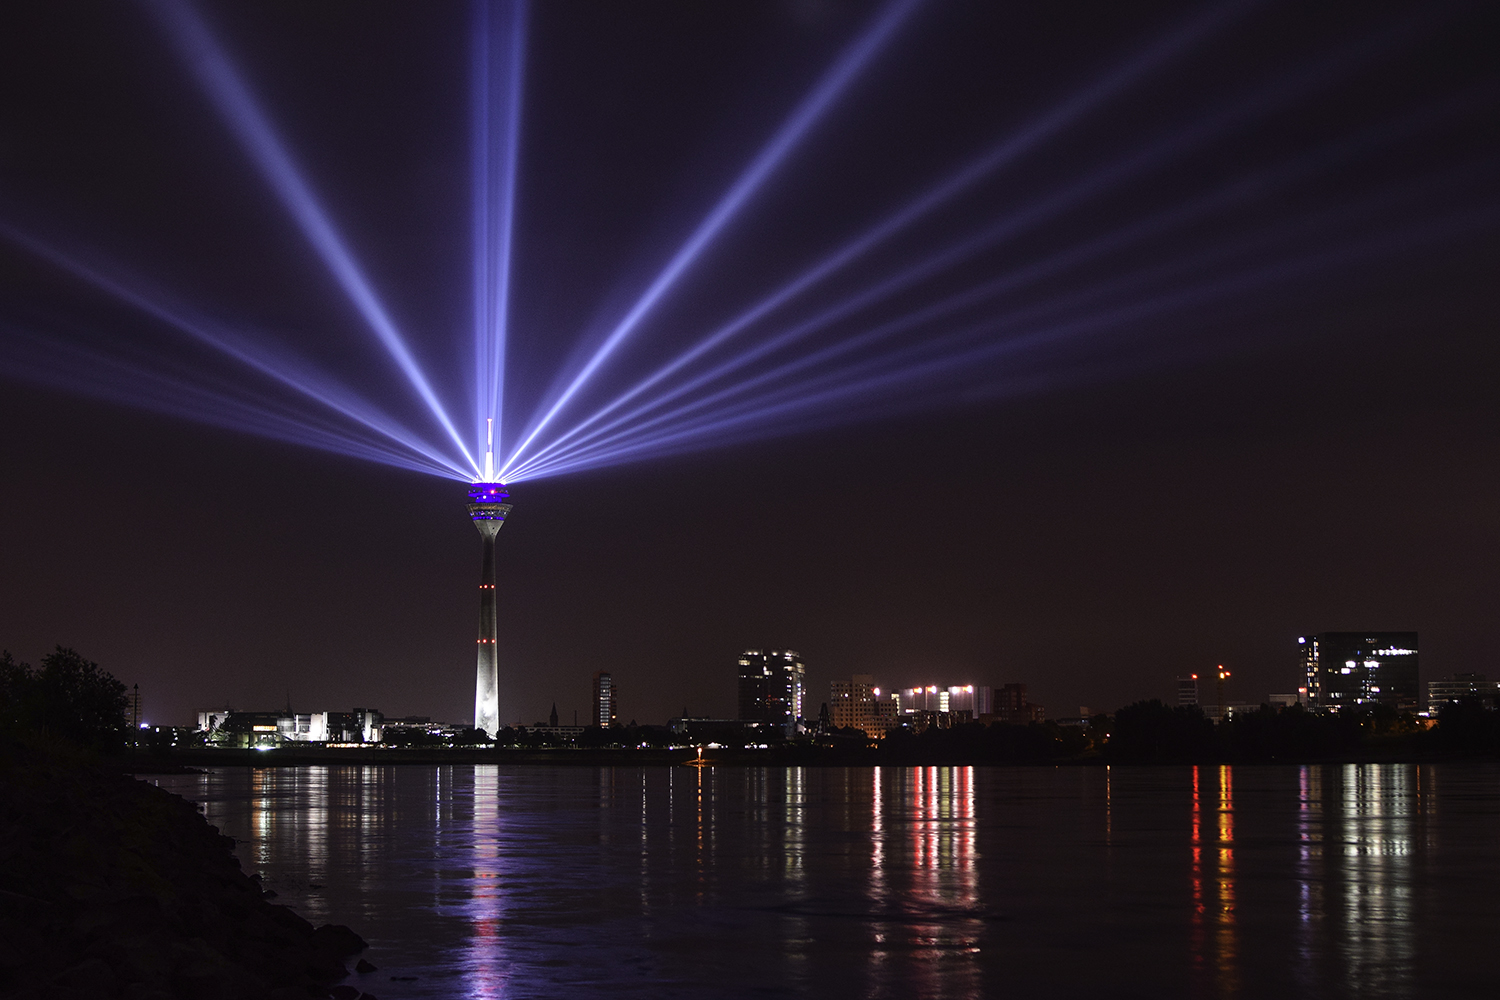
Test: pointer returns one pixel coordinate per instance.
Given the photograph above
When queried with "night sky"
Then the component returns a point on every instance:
(1315, 451)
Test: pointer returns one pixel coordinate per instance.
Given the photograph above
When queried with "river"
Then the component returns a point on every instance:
(488, 881)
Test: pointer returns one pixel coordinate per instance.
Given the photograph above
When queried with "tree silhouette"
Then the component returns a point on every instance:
(67, 697)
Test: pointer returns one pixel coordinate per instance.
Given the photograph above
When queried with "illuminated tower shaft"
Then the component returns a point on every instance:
(487, 508)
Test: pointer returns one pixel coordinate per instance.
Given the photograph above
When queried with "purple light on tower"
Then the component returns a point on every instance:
(487, 509)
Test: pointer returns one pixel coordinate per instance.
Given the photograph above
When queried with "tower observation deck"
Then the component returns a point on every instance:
(487, 509)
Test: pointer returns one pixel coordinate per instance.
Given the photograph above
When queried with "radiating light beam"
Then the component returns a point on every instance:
(1234, 193)
(188, 395)
(494, 182)
(906, 368)
(771, 156)
(997, 157)
(211, 66)
(320, 387)
(1284, 88)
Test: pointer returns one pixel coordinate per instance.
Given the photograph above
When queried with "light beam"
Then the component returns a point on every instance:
(828, 90)
(1002, 154)
(211, 66)
(494, 92)
(836, 391)
(1285, 87)
(280, 367)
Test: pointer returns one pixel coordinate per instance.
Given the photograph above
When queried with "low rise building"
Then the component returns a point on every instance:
(231, 728)
(727, 732)
(1456, 687)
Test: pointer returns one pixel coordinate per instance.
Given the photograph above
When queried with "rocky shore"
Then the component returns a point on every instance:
(111, 887)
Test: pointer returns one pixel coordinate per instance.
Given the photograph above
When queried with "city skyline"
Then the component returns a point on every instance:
(1290, 453)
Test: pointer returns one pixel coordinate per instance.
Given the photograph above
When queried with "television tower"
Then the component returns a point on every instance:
(487, 509)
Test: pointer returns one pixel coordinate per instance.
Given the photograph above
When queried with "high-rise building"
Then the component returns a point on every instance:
(1456, 687)
(771, 687)
(606, 705)
(487, 509)
(851, 703)
(1187, 690)
(858, 704)
(1356, 668)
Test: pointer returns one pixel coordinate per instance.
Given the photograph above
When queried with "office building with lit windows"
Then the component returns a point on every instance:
(606, 700)
(1187, 690)
(858, 704)
(851, 703)
(771, 688)
(1345, 669)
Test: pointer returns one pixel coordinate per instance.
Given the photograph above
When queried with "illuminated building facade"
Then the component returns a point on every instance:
(771, 688)
(268, 729)
(487, 509)
(311, 727)
(1344, 669)
(605, 701)
(928, 698)
(976, 699)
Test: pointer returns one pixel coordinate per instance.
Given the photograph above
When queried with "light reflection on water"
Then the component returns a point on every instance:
(493, 881)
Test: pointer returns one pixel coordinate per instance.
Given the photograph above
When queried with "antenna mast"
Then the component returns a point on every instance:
(489, 452)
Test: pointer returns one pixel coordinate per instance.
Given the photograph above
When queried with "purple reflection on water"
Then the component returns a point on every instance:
(508, 881)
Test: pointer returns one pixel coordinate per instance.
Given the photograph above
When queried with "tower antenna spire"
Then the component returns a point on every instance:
(489, 450)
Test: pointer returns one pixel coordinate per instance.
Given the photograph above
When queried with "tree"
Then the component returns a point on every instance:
(67, 697)
(471, 737)
(1154, 732)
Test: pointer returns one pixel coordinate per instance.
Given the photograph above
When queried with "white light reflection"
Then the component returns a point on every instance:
(798, 941)
(645, 890)
(485, 975)
(1374, 878)
(927, 887)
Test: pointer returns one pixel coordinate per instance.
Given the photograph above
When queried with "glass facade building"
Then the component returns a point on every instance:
(1344, 669)
(771, 688)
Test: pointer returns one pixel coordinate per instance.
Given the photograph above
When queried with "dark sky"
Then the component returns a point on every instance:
(1314, 454)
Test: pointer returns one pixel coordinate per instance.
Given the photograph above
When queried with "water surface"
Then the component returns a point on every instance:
(537, 881)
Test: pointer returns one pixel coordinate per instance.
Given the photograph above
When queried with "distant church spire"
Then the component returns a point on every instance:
(553, 716)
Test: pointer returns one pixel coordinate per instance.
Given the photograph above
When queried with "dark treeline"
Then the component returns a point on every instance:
(974, 742)
(1152, 732)
(67, 698)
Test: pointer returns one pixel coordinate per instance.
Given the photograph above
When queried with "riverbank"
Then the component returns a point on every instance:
(791, 755)
(111, 887)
